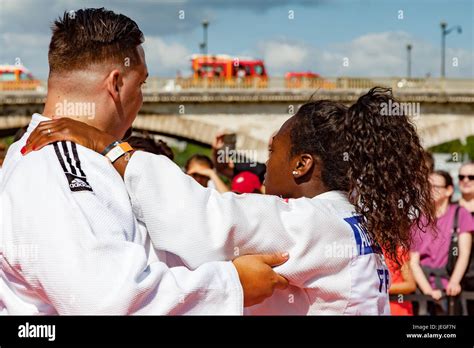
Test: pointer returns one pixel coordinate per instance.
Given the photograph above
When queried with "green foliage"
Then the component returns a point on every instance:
(457, 147)
(470, 147)
(180, 157)
(8, 140)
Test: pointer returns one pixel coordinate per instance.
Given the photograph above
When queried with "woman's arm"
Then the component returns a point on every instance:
(418, 274)
(408, 285)
(220, 185)
(465, 242)
(48, 132)
(200, 224)
(254, 284)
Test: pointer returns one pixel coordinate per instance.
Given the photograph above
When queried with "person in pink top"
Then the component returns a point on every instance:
(466, 187)
(431, 250)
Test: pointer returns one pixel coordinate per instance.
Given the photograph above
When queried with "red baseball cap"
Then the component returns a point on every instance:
(246, 182)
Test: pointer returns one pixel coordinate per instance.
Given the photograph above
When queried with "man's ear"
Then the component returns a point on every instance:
(304, 165)
(114, 83)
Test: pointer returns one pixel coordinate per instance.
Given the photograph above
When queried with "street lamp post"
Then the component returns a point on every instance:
(205, 25)
(409, 47)
(444, 33)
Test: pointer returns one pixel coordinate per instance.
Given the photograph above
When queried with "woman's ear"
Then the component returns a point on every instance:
(114, 83)
(449, 191)
(304, 165)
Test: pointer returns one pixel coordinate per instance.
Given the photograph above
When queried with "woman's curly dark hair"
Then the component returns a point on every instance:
(376, 158)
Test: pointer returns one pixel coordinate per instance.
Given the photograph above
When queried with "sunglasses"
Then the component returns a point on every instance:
(461, 177)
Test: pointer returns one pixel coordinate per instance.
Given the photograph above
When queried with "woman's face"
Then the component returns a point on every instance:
(466, 186)
(279, 180)
(440, 192)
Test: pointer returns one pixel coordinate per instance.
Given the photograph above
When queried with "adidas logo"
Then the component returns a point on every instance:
(79, 183)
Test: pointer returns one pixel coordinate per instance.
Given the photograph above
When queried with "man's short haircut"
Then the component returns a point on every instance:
(85, 37)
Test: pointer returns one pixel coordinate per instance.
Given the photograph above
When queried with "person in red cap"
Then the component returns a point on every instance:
(246, 182)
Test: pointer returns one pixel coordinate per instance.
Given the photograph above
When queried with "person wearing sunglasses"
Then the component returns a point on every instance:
(430, 251)
(466, 186)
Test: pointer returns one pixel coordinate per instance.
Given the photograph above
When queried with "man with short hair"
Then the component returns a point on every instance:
(69, 242)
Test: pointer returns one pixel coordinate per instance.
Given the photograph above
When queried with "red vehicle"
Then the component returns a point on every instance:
(227, 67)
(300, 75)
(17, 77)
(306, 79)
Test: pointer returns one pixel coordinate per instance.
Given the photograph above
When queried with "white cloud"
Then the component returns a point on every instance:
(282, 54)
(29, 49)
(24, 39)
(24, 33)
(165, 58)
(373, 54)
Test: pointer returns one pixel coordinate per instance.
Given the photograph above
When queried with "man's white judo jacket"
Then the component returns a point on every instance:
(70, 244)
(334, 266)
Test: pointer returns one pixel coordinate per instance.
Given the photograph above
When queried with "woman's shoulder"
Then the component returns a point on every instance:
(465, 218)
(461, 211)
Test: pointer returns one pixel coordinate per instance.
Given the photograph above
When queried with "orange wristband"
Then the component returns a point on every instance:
(118, 151)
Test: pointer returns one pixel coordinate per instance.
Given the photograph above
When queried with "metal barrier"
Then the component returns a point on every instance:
(27, 85)
(158, 84)
(206, 83)
(466, 296)
(423, 300)
(328, 83)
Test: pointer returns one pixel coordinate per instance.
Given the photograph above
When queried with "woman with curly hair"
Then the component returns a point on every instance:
(342, 185)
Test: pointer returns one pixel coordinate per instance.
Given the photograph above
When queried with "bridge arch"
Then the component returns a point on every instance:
(253, 131)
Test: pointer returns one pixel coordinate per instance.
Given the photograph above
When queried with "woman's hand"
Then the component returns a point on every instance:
(436, 294)
(257, 277)
(48, 132)
(453, 289)
(218, 141)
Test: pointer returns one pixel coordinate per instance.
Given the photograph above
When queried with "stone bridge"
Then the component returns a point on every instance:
(254, 115)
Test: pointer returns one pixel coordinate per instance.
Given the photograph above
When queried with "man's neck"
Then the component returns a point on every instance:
(467, 201)
(83, 109)
(468, 198)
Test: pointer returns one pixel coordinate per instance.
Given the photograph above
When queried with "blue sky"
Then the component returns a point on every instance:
(367, 33)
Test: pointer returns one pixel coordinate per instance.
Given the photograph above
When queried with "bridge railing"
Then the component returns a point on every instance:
(26, 85)
(158, 84)
(330, 83)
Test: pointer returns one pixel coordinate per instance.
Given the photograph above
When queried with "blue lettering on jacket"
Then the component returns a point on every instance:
(365, 244)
